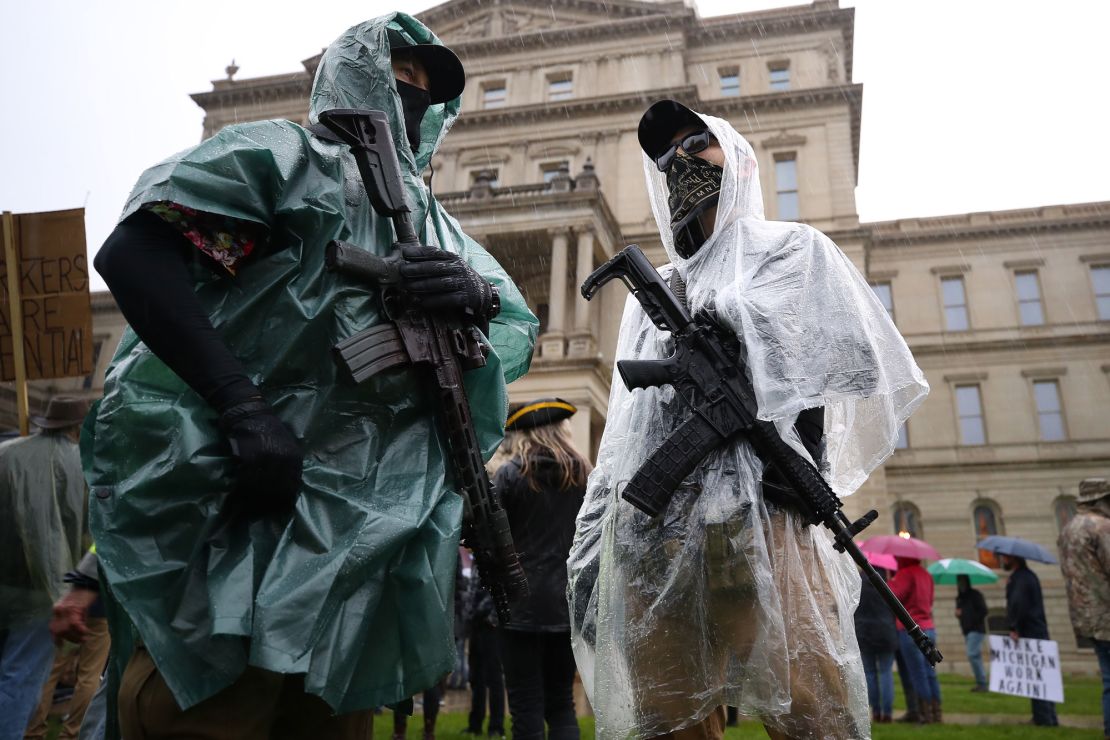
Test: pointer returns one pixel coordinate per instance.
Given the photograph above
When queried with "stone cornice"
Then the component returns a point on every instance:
(448, 12)
(852, 95)
(779, 21)
(291, 86)
(991, 223)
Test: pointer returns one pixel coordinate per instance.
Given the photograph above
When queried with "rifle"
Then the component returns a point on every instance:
(440, 350)
(716, 388)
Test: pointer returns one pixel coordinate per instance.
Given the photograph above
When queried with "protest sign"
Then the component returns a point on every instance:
(1025, 667)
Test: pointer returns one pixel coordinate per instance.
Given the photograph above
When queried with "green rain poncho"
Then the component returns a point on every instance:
(356, 590)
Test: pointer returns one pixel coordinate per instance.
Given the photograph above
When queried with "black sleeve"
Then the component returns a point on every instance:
(810, 426)
(1018, 604)
(980, 605)
(145, 264)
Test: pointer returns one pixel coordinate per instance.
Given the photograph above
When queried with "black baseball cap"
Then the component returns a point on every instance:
(446, 78)
(661, 122)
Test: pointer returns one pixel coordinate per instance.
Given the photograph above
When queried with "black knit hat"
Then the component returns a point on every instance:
(538, 413)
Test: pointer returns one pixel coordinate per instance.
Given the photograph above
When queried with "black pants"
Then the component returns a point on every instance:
(431, 699)
(1044, 713)
(539, 676)
(486, 682)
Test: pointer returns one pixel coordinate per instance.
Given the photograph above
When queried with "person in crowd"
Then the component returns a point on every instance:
(727, 597)
(914, 587)
(911, 716)
(42, 507)
(487, 683)
(878, 641)
(458, 678)
(542, 486)
(78, 618)
(971, 610)
(1084, 548)
(268, 527)
(1025, 617)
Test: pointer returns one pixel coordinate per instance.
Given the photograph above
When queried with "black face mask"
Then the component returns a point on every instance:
(695, 186)
(414, 102)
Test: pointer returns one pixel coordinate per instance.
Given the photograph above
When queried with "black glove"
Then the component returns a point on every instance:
(270, 458)
(441, 281)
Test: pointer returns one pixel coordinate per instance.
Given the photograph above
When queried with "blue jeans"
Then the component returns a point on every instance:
(922, 675)
(880, 681)
(1102, 650)
(974, 643)
(26, 657)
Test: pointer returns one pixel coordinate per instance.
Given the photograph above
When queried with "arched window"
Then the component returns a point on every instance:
(987, 520)
(907, 518)
(1064, 509)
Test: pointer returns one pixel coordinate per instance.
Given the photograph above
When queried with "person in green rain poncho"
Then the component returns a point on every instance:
(279, 544)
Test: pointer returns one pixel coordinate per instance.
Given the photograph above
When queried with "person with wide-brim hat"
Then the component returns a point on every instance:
(541, 485)
(62, 412)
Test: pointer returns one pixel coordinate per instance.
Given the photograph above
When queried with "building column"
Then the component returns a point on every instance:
(582, 342)
(552, 342)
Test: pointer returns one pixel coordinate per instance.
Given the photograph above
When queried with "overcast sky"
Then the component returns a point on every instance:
(969, 105)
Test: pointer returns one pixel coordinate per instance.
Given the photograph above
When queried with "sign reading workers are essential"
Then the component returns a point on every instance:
(1025, 667)
(54, 297)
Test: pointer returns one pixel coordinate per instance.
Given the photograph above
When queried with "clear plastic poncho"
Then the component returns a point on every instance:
(355, 591)
(723, 599)
(42, 518)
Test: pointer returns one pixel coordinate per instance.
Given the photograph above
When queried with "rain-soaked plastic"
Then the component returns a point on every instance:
(42, 518)
(723, 599)
(355, 591)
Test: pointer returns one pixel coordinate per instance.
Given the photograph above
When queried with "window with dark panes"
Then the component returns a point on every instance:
(786, 186)
(560, 86)
(548, 170)
(969, 409)
(1100, 281)
(494, 94)
(1028, 287)
(492, 176)
(885, 295)
(955, 303)
(730, 82)
(780, 76)
(1050, 414)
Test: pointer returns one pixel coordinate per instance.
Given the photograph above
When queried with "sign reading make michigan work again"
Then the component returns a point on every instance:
(53, 296)
(1025, 667)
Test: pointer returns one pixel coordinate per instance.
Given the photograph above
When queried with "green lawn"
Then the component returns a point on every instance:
(1082, 696)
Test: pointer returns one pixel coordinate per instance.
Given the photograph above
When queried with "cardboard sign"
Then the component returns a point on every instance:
(1025, 667)
(54, 297)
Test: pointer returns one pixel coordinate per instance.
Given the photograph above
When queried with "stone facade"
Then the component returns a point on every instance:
(543, 167)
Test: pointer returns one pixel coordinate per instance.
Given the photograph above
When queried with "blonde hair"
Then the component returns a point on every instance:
(550, 440)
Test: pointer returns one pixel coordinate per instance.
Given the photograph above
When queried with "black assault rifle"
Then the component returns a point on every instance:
(440, 350)
(715, 386)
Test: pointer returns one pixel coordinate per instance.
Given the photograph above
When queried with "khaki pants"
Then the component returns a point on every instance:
(260, 705)
(665, 664)
(92, 654)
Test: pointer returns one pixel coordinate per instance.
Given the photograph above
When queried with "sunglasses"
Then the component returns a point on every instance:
(691, 144)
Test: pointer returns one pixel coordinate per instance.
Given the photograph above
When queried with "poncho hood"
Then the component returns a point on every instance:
(356, 71)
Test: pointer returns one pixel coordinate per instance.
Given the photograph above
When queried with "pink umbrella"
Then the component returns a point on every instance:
(881, 560)
(899, 546)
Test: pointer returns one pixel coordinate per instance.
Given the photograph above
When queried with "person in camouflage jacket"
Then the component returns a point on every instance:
(1085, 560)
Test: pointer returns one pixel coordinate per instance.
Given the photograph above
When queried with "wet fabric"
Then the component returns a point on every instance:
(1084, 548)
(42, 518)
(718, 600)
(355, 589)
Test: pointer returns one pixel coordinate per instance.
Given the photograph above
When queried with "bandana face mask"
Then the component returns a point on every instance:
(414, 103)
(695, 186)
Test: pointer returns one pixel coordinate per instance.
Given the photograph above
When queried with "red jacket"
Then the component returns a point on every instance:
(913, 586)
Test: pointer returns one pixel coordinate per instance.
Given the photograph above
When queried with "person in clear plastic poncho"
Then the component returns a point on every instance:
(726, 598)
(280, 542)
